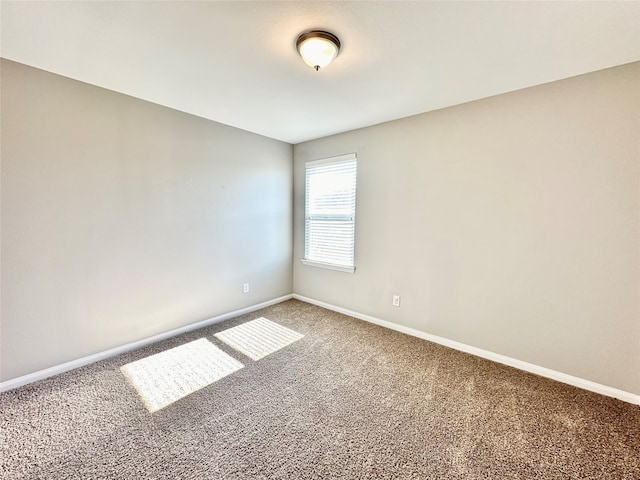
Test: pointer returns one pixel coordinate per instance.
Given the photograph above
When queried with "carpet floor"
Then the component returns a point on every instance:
(348, 400)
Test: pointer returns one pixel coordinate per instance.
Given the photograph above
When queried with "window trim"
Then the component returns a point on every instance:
(323, 162)
(328, 161)
(330, 266)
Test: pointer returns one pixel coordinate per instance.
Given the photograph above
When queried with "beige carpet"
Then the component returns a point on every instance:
(344, 400)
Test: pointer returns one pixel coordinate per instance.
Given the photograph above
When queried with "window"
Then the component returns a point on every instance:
(330, 208)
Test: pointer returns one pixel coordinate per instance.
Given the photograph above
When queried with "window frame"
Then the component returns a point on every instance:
(340, 159)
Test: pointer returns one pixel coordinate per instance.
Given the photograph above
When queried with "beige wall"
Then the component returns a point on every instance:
(510, 224)
(122, 219)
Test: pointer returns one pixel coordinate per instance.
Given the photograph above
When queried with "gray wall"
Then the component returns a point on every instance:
(122, 219)
(510, 224)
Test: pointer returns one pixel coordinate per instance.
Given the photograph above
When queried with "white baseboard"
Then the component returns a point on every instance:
(80, 362)
(496, 357)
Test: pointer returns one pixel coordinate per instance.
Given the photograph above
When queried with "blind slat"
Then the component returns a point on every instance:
(330, 201)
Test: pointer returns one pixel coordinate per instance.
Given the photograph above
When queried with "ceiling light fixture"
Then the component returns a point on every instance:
(318, 48)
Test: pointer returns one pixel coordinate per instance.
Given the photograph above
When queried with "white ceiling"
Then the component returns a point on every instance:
(236, 62)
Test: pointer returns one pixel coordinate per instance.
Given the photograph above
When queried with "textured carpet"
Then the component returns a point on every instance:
(349, 400)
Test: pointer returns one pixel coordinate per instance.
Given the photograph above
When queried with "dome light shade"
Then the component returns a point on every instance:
(318, 48)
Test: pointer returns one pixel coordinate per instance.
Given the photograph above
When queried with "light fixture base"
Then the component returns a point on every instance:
(318, 48)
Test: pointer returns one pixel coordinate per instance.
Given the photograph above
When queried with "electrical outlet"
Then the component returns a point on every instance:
(396, 301)
(245, 288)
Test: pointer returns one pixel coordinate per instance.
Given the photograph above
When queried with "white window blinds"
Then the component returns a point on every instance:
(330, 208)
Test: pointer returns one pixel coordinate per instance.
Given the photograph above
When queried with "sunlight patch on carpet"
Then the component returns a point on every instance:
(258, 338)
(165, 377)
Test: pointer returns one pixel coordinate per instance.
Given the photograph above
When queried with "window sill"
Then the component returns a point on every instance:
(330, 266)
